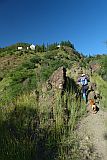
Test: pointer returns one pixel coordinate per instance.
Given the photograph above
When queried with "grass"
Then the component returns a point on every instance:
(29, 128)
(102, 88)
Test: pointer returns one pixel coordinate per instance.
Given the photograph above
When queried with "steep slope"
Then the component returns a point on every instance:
(38, 115)
(26, 70)
(34, 120)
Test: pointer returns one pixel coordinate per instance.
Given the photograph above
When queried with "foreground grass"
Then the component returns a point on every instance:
(31, 130)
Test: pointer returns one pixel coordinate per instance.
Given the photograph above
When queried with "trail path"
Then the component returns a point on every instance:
(93, 128)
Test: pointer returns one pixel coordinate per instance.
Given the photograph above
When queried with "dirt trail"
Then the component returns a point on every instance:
(93, 128)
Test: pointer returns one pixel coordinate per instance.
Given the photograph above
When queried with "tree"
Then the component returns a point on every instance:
(43, 48)
(52, 46)
(67, 43)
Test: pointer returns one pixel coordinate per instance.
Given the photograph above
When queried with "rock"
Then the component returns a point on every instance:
(57, 80)
(87, 137)
(26, 81)
(91, 95)
(95, 66)
(93, 86)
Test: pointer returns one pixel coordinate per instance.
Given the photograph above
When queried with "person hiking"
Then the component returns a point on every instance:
(83, 81)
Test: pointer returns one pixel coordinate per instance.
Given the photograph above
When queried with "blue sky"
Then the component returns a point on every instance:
(83, 22)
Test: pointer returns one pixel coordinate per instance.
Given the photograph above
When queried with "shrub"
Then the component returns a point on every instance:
(28, 65)
(103, 69)
(35, 59)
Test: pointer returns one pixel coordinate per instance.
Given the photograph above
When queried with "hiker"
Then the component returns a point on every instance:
(83, 81)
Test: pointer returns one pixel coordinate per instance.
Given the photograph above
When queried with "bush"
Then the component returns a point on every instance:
(103, 70)
(35, 59)
(28, 65)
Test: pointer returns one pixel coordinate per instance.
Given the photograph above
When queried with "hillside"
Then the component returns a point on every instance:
(40, 101)
(22, 71)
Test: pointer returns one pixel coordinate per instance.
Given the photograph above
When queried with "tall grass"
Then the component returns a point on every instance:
(44, 129)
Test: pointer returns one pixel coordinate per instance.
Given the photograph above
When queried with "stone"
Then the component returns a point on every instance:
(58, 79)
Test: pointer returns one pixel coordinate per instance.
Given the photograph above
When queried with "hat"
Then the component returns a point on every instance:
(83, 75)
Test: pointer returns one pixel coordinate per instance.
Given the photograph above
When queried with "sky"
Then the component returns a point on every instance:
(83, 22)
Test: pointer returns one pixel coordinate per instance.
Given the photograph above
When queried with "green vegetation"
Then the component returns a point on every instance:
(102, 88)
(29, 129)
(100, 60)
(99, 67)
(35, 124)
(103, 71)
(67, 43)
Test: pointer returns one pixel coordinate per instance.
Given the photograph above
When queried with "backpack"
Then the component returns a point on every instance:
(84, 81)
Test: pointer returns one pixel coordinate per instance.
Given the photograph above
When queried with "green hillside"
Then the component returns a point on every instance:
(36, 123)
(24, 71)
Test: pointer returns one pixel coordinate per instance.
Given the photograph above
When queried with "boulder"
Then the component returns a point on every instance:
(57, 79)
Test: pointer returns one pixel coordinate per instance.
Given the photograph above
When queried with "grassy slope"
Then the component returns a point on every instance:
(29, 128)
(102, 88)
(24, 71)
(100, 77)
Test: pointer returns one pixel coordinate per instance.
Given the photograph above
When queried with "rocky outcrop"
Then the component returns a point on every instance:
(52, 91)
(57, 80)
(95, 66)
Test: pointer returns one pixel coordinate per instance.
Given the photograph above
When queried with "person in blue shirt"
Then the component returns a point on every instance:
(83, 81)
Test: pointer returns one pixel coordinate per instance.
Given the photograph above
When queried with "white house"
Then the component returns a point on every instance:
(19, 48)
(32, 47)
